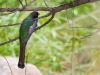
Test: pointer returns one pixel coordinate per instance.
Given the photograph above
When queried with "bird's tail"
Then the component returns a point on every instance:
(21, 57)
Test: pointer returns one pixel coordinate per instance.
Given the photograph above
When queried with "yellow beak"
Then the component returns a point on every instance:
(38, 13)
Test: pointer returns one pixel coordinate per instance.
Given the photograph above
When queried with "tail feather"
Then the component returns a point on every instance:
(21, 57)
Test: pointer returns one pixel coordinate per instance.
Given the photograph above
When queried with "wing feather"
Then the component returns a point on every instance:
(31, 30)
(24, 29)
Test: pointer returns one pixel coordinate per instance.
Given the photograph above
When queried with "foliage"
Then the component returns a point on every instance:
(53, 47)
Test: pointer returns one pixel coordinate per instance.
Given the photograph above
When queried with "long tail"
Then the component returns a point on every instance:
(21, 57)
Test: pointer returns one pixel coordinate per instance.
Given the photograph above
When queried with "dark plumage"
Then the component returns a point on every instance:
(26, 29)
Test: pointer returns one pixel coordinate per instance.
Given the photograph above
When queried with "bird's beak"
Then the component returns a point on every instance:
(38, 13)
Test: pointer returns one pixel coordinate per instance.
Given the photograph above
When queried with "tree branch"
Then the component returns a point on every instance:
(90, 34)
(21, 3)
(56, 9)
(9, 41)
(20, 23)
(34, 31)
(10, 25)
(51, 10)
(45, 22)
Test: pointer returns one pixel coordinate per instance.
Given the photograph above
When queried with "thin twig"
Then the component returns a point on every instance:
(26, 63)
(85, 27)
(10, 25)
(29, 3)
(21, 3)
(9, 41)
(20, 23)
(26, 2)
(45, 3)
(90, 34)
(90, 26)
(8, 65)
(45, 22)
(6, 4)
(7, 62)
(6, 13)
(45, 15)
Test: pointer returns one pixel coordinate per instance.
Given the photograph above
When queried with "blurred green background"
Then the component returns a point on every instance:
(59, 48)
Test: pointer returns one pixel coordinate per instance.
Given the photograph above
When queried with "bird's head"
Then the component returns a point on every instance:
(34, 15)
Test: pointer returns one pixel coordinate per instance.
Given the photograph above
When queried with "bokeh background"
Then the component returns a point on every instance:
(68, 44)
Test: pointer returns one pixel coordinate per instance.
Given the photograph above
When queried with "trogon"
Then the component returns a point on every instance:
(27, 27)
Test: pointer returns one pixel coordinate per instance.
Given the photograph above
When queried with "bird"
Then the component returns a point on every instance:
(27, 27)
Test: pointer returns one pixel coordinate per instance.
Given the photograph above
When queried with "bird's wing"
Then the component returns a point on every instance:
(31, 30)
(24, 29)
(33, 27)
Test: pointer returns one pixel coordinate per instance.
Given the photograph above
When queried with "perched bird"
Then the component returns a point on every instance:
(27, 27)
